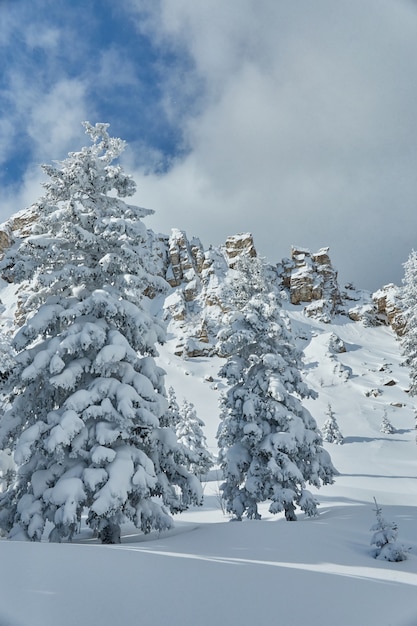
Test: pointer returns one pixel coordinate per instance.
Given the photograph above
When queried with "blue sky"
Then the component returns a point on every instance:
(294, 121)
(92, 55)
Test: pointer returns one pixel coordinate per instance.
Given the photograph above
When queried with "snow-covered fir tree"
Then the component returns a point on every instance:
(191, 435)
(409, 297)
(172, 416)
(330, 430)
(86, 420)
(270, 446)
(7, 366)
(188, 428)
(384, 539)
(386, 426)
(7, 469)
(248, 276)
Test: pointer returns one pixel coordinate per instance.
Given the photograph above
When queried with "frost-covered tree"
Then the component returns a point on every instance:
(188, 428)
(409, 340)
(384, 539)
(330, 430)
(191, 436)
(248, 276)
(386, 426)
(172, 416)
(86, 420)
(270, 446)
(7, 469)
(7, 367)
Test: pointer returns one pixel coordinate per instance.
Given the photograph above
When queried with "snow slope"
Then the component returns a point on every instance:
(207, 570)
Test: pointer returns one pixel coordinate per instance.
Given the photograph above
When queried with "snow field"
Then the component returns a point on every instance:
(318, 571)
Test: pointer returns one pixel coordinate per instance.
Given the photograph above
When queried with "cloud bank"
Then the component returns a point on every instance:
(292, 120)
(306, 132)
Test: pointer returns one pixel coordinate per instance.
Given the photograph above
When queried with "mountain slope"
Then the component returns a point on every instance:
(317, 570)
(320, 570)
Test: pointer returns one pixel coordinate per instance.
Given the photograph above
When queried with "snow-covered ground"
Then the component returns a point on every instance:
(207, 570)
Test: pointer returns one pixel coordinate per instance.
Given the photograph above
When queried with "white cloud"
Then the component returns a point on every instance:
(55, 120)
(54, 127)
(42, 36)
(42, 106)
(115, 68)
(299, 118)
(6, 137)
(15, 199)
(306, 132)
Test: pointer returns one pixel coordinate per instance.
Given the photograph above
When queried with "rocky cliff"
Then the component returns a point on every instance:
(311, 281)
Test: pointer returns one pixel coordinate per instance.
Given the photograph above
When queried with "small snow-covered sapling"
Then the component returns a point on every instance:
(386, 426)
(331, 431)
(384, 539)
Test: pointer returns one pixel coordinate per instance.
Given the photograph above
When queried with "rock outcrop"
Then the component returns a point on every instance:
(185, 258)
(311, 279)
(197, 303)
(17, 226)
(359, 306)
(236, 245)
(383, 307)
(196, 306)
(389, 307)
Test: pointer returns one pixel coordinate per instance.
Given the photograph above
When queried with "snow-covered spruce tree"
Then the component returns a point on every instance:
(386, 426)
(85, 418)
(270, 446)
(172, 416)
(330, 430)
(191, 436)
(409, 339)
(8, 378)
(7, 367)
(7, 469)
(249, 276)
(188, 428)
(384, 539)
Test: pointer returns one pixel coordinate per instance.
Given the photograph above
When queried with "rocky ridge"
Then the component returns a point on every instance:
(311, 279)
(195, 305)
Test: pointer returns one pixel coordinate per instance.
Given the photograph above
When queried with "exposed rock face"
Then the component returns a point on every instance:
(384, 307)
(17, 226)
(20, 225)
(311, 278)
(389, 307)
(237, 245)
(303, 287)
(22, 221)
(185, 258)
(5, 240)
(359, 306)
